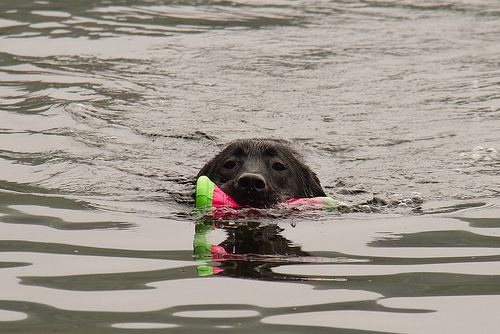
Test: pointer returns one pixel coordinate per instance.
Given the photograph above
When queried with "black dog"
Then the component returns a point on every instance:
(262, 172)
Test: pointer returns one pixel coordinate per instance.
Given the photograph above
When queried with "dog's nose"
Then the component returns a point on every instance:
(249, 181)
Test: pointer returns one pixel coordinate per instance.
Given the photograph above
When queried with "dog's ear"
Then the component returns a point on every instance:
(209, 169)
(310, 185)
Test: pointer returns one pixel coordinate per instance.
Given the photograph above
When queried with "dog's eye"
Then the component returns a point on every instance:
(278, 166)
(229, 164)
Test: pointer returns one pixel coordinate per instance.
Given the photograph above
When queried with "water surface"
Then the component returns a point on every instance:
(109, 108)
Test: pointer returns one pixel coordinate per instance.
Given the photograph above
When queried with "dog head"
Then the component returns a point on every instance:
(261, 172)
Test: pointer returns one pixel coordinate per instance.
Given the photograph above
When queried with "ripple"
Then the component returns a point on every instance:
(4, 23)
(142, 325)
(218, 314)
(12, 316)
(51, 13)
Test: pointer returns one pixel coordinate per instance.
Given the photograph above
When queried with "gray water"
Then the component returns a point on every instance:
(109, 108)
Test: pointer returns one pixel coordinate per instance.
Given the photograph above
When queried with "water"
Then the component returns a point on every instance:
(109, 108)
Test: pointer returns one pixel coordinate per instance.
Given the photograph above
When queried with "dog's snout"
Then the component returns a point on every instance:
(249, 181)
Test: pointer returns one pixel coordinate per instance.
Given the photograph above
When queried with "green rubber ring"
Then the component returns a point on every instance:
(204, 192)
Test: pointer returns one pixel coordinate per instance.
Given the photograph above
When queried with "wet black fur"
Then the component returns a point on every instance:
(284, 175)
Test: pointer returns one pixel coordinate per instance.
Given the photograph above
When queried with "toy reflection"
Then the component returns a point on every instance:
(249, 250)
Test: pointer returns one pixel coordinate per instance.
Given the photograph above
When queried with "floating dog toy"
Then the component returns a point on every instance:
(208, 195)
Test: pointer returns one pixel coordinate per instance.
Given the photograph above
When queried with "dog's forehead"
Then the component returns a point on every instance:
(258, 147)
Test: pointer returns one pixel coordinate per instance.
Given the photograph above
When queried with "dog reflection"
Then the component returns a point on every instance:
(249, 250)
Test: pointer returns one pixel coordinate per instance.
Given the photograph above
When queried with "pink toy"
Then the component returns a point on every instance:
(208, 195)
